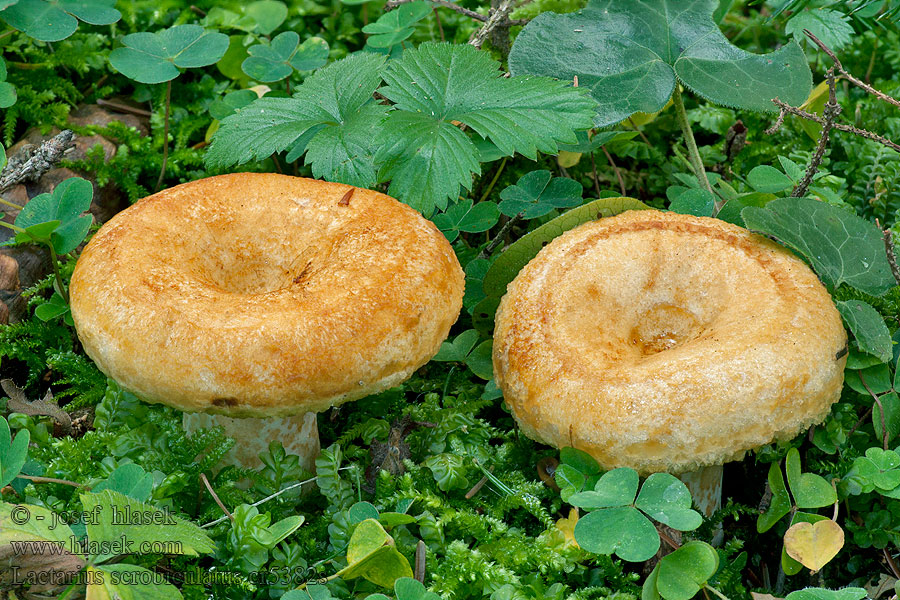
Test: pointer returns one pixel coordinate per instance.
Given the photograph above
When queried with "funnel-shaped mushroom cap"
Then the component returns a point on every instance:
(258, 295)
(666, 342)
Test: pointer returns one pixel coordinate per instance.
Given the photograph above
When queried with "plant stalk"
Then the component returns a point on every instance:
(162, 171)
(10, 204)
(56, 274)
(691, 143)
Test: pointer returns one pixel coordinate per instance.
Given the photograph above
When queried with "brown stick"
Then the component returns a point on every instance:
(612, 163)
(36, 479)
(831, 112)
(787, 108)
(496, 19)
(33, 166)
(420, 562)
(215, 496)
(162, 171)
(891, 255)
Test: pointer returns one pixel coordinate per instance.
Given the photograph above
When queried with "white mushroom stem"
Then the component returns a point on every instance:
(705, 485)
(298, 434)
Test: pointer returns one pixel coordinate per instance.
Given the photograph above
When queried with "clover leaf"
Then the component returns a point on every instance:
(13, 452)
(877, 470)
(535, 194)
(7, 90)
(681, 574)
(463, 349)
(54, 20)
(630, 53)
(278, 59)
(396, 26)
(128, 479)
(468, 217)
(156, 57)
(809, 490)
(618, 523)
(57, 217)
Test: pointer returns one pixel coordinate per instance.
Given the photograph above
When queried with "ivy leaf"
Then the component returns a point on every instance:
(830, 26)
(468, 217)
(396, 26)
(517, 255)
(54, 20)
(428, 158)
(535, 194)
(156, 57)
(332, 114)
(65, 206)
(666, 499)
(13, 452)
(630, 52)
(842, 247)
(278, 59)
(868, 328)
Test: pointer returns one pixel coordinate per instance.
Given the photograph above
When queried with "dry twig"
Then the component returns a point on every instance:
(497, 19)
(37, 162)
(831, 112)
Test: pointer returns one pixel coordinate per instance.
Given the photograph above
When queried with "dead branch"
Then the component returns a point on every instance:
(34, 163)
(831, 112)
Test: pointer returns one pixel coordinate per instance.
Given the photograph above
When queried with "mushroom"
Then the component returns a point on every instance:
(667, 342)
(261, 299)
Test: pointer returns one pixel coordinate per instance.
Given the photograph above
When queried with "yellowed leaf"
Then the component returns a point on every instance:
(567, 159)
(567, 526)
(758, 596)
(261, 90)
(814, 544)
(885, 584)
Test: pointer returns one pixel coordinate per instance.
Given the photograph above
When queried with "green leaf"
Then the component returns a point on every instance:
(13, 452)
(332, 114)
(665, 498)
(517, 255)
(615, 488)
(267, 15)
(468, 217)
(231, 103)
(700, 203)
(731, 211)
(622, 531)
(443, 83)
(683, 572)
(808, 489)
(407, 588)
(769, 180)
(278, 59)
(117, 517)
(868, 328)
(371, 554)
(536, 194)
(130, 480)
(570, 481)
(7, 95)
(886, 475)
(891, 405)
(448, 470)
(630, 52)
(65, 204)
(51, 309)
(396, 26)
(57, 19)
(833, 28)
(579, 459)
(780, 504)
(459, 348)
(480, 360)
(156, 57)
(842, 247)
(24, 522)
(850, 593)
(128, 582)
(361, 511)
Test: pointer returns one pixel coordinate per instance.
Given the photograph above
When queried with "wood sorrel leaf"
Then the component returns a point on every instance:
(616, 488)
(665, 498)
(56, 20)
(780, 504)
(629, 53)
(278, 59)
(156, 57)
(622, 531)
(64, 205)
(683, 572)
(537, 193)
(842, 247)
(809, 490)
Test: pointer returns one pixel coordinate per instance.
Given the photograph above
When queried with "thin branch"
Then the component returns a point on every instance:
(884, 431)
(39, 162)
(477, 487)
(497, 18)
(891, 255)
(831, 112)
(215, 496)
(498, 239)
(787, 108)
(165, 157)
(612, 163)
(392, 4)
(857, 82)
(37, 479)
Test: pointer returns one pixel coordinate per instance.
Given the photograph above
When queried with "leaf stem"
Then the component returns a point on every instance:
(691, 143)
(716, 592)
(13, 227)
(54, 259)
(162, 171)
(494, 180)
(11, 204)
